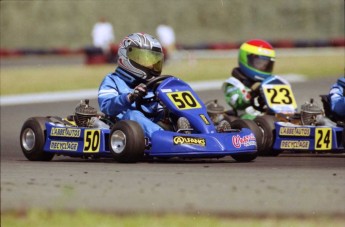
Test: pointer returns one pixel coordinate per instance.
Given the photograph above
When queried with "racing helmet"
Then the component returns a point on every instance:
(142, 55)
(256, 59)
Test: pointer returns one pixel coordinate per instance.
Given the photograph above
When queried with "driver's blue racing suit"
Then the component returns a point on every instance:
(113, 101)
(337, 97)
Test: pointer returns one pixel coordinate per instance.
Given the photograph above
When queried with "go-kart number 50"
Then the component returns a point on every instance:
(280, 95)
(92, 139)
(183, 100)
(323, 138)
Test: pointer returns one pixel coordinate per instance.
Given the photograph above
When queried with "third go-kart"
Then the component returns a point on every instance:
(286, 129)
(88, 134)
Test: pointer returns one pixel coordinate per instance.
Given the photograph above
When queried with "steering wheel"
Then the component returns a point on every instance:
(152, 85)
(257, 101)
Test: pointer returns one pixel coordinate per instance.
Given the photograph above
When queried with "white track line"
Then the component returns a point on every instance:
(92, 93)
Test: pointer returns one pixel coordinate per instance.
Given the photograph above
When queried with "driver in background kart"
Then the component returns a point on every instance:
(140, 59)
(337, 99)
(256, 59)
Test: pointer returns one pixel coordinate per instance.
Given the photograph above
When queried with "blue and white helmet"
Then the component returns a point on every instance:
(142, 55)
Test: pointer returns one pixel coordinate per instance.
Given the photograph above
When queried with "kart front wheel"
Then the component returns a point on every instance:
(127, 142)
(32, 139)
(266, 124)
(244, 123)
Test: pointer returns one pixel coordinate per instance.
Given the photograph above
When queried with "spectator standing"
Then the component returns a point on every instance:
(103, 35)
(166, 36)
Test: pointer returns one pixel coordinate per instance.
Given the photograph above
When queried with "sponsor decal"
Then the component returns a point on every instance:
(294, 144)
(184, 100)
(178, 140)
(294, 131)
(204, 118)
(65, 132)
(92, 140)
(279, 95)
(246, 141)
(323, 138)
(63, 146)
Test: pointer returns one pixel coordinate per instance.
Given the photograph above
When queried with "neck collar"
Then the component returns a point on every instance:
(128, 77)
(236, 72)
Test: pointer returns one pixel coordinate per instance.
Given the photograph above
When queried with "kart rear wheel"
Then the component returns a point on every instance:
(32, 139)
(127, 142)
(230, 118)
(266, 124)
(244, 123)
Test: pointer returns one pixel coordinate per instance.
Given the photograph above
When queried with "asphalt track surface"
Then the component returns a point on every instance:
(292, 184)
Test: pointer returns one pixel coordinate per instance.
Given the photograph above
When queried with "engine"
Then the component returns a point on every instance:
(83, 114)
(215, 111)
(310, 113)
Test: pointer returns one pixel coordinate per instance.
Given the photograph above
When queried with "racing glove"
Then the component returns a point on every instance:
(138, 92)
(255, 89)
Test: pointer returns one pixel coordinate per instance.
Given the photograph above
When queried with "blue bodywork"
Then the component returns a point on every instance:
(182, 101)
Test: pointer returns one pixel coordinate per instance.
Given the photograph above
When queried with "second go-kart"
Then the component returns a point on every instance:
(87, 134)
(286, 129)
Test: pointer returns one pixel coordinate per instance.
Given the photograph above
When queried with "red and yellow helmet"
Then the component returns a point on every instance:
(256, 59)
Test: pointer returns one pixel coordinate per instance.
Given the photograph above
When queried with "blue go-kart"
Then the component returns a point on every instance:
(286, 129)
(93, 135)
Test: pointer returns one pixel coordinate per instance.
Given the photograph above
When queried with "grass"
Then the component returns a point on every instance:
(62, 78)
(38, 218)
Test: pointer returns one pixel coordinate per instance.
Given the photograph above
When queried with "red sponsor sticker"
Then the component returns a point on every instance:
(246, 141)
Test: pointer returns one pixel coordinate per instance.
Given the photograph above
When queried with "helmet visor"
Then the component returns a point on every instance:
(261, 63)
(152, 60)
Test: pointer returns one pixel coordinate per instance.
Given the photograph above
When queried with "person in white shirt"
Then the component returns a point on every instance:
(166, 36)
(103, 35)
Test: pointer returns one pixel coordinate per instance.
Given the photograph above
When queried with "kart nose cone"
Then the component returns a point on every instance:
(28, 139)
(118, 141)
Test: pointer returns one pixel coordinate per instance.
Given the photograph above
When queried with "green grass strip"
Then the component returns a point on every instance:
(37, 79)
(38, 218)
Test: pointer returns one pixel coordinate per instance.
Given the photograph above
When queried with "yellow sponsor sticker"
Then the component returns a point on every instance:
(294, 131)
(65, 132)
(178, 140)
(323, 139)
(63, 146)
(294, 144)
(279, 95)
(92, 140)
(204, 118)
(184, 100)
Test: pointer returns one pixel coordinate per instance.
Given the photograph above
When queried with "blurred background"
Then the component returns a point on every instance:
(68, 24)
(308, 36)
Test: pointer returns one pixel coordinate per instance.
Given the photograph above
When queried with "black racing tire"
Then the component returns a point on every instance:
(32, 139)
(230, 118)
(266, 124)
(127, 142)
(244, 123)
